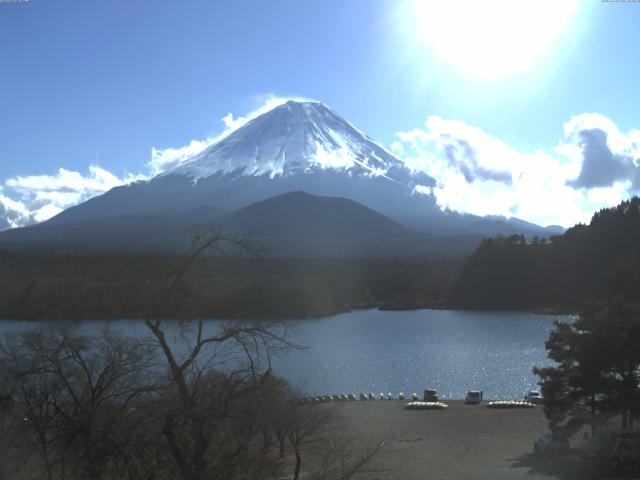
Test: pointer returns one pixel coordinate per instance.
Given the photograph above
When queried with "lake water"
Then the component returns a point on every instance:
(382, 351)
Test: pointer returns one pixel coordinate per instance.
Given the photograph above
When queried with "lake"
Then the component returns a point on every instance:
(407, 351)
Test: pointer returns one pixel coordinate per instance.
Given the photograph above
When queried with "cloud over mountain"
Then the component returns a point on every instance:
(39, 197)
(608, 155)
(594, 165)
(462, 156)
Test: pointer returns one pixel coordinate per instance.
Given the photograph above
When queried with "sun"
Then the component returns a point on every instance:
(493, 38)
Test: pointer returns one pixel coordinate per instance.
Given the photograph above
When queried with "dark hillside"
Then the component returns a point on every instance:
(113, 286)
(512, 273)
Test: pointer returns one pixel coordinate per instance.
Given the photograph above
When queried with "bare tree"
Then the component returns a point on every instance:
(279, 400)
(213, 375)
(318, 432)
(73, 392)
(194, 400)
(341, 457)
(225, 400)
(9, 424)
(307, 423)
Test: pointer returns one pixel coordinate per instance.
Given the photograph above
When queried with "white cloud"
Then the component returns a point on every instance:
(40, 197)
(13, 213)
(68, 181)
(168, 158)
(482, 174)
(608, 155)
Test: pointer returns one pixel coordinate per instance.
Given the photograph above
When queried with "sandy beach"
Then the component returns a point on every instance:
(462, 442)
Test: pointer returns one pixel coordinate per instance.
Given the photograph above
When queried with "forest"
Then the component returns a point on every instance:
(76, 287)
(516, 273)
(559, 273)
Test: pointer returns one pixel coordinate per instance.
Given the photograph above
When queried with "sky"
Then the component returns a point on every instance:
(517, 108)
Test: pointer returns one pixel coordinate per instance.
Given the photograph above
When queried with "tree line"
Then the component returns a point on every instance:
(98, 286)
(561, 272)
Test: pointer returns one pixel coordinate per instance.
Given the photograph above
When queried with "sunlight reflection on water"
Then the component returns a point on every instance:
(382, 351)
(451, 351)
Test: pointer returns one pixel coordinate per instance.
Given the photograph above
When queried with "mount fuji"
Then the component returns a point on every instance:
(295, 147)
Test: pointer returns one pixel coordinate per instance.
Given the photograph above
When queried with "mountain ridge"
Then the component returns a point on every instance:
(295, 224)
(297, 146)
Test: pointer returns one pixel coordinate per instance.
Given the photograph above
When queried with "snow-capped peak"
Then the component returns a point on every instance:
(295, 137)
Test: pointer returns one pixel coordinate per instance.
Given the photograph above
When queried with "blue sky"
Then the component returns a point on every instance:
(99, 84)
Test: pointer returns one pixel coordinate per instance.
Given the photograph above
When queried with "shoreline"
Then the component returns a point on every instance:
(310, 316)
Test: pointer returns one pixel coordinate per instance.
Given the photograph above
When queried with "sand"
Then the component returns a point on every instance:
(464, 442)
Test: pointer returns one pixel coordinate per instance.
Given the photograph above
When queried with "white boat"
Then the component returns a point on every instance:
(426, 406)
(510, 404)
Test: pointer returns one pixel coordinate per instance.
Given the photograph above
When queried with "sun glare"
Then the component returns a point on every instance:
(493, 38)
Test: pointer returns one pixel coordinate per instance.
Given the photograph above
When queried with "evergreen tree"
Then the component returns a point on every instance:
(597, 372)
